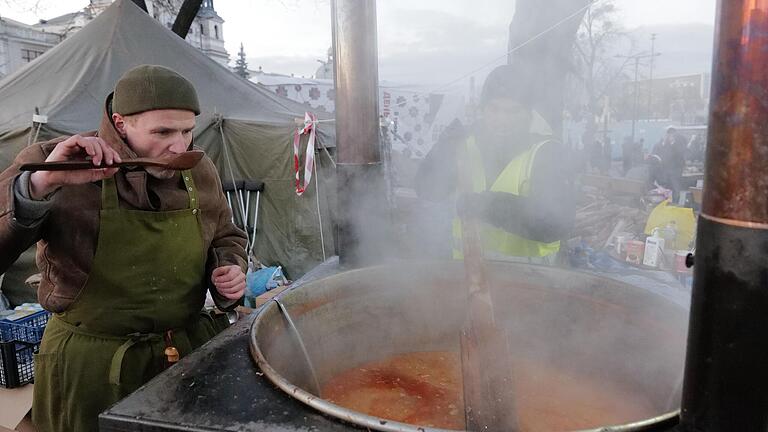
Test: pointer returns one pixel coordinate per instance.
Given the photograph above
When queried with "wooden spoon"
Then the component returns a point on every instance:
(177, 162)
(486, 359)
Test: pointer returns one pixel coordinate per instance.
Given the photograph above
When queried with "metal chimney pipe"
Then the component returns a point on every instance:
(361, 189)
(726, 371)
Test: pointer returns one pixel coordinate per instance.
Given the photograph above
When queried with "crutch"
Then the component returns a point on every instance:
(233, 191)
(250, 186)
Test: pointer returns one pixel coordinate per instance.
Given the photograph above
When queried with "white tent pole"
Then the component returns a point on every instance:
(229, 201)
(319, 215)
(37, 132)
(234, 184)
(36, 128)
(333, 162)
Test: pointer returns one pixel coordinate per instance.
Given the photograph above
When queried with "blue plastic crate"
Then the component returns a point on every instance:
(27, 329)
(19, 341)
(17, 363)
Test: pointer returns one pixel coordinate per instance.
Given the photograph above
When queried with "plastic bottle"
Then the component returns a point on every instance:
(654, 249)
(669, 234)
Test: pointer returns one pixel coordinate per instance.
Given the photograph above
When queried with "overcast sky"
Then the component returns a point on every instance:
(424, 41)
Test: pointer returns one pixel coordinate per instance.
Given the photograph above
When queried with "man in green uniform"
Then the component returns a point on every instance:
(520, 189)
(126, 255)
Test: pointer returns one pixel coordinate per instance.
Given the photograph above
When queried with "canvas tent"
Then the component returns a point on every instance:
(243, 125)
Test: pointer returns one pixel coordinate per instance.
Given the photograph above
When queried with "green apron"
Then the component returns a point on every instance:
(147, 278)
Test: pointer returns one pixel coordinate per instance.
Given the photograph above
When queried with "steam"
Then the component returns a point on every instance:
(412, 297)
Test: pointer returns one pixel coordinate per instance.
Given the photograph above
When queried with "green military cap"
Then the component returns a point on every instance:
(152, 87)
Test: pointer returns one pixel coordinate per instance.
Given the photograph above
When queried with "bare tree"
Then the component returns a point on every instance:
(541, 38)
(596, 70)
(30, 6)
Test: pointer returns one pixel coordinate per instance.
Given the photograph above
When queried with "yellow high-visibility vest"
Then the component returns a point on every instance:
(514, 179)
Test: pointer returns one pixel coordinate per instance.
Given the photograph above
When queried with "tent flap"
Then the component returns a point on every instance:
(288, 224)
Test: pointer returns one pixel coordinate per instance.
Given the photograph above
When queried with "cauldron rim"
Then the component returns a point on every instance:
(381, 424)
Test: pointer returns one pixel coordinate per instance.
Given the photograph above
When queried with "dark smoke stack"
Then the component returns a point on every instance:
(361, 188)
(726, 373)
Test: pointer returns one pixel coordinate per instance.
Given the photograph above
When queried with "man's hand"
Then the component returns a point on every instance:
(229, 281)
(42, 183)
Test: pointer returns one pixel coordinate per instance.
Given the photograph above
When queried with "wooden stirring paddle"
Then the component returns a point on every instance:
(486, 361)
(176, 162)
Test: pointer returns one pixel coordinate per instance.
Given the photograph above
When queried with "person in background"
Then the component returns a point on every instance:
(627, 154)
(638, 151)
(521, 193)
(596, 156)
(670, 152)
(696, 149)
(126, 254)
(607, 157)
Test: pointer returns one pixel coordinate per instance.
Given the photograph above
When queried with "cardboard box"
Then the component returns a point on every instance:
(261, 300)
(25, 426)
(15, 405)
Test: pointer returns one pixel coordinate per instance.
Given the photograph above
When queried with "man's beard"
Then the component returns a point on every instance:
(160, 173)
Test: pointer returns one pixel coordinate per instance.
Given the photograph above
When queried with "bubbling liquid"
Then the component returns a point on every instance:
(425, 388)
(422, 388)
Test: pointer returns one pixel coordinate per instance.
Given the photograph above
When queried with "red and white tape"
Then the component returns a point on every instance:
(309, 159)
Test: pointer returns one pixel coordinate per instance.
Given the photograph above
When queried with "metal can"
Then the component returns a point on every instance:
(635, 249)
(680, 257)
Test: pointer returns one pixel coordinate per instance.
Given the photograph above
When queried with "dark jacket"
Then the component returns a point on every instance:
(671, 150)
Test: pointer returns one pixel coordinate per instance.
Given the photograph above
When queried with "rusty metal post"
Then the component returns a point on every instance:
(361, 187)
(726, 375)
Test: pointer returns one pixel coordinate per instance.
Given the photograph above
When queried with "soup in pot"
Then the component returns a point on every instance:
(425, 388)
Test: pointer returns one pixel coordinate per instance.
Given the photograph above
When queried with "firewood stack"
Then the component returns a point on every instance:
(600, 220)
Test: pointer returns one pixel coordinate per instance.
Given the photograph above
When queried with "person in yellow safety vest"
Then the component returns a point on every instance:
(521, 193)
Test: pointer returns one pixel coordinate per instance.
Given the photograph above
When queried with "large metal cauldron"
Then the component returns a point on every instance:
(596, 327)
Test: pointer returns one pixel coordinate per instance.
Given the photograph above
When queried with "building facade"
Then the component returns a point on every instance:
(21, 43)
(682, 98)
(206, 32)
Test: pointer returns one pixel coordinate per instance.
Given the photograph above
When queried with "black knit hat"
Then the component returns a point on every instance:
(152, 87)
(509, 82)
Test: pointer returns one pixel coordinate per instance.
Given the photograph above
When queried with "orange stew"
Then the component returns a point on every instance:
(425, 388)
